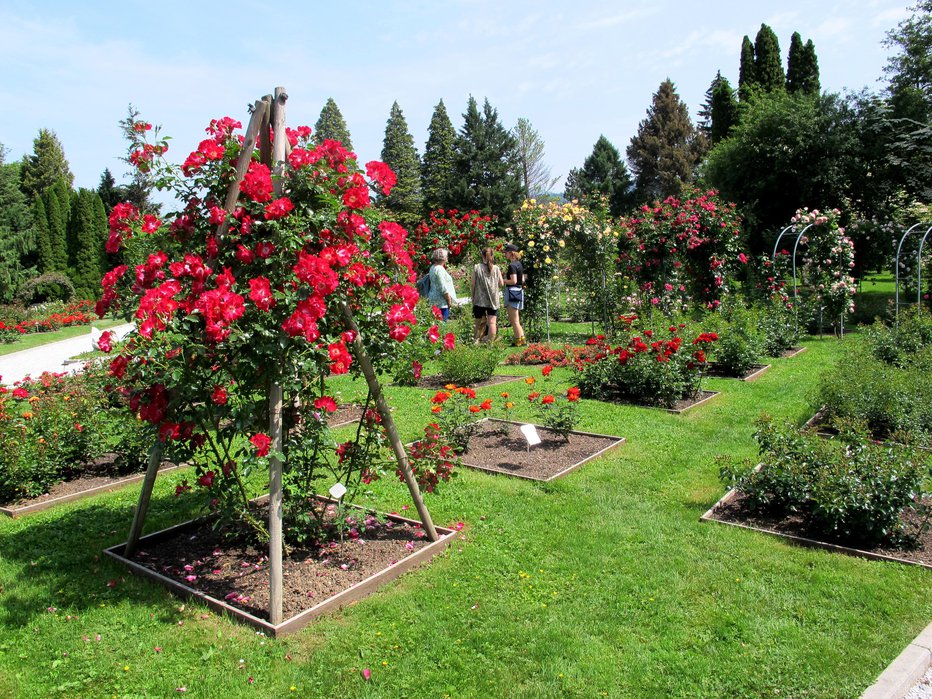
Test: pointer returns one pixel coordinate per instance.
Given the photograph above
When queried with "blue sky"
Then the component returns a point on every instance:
(574, 69)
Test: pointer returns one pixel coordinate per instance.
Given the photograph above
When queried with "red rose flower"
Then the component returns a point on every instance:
(325, 403)
(261, 442)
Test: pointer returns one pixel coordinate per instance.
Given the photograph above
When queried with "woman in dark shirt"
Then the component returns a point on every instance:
(514, 292)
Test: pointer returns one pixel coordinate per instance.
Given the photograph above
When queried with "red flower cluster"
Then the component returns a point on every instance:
(451, 229)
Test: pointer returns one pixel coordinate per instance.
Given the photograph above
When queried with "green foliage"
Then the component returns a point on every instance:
(46, 165)
(802, 69)
(848, 489)
(768, 66)
(747, 80)
(57, 200)
(88, 233)
(110, 193)
(51, 286)
(603, 175)
(469, 363)
(456, 412)
(787, 150)
(740, 342)
(910, 69)
(398, 152)
(905, 344)
(438, 167)
(557, 410)
(719, 112)
(487, 177)
(330, 124)
(666, 148)
(17, 234)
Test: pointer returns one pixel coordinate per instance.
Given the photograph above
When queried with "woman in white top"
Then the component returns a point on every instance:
(442, 293)
(486, 287)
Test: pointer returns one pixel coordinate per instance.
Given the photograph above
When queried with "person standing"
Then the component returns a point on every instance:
(485, 288)
(514, 292)
(442, 292)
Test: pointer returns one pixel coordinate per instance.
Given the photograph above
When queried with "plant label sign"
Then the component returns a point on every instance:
(337, 491)
(530, 434)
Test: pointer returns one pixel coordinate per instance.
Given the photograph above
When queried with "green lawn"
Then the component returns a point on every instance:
(603, 583)
(31, 340)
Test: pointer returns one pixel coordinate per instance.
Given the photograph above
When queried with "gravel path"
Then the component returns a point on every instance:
(50, 357)
(923, 689)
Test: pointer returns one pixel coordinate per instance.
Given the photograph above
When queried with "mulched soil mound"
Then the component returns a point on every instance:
(437, 381)
(96, 474)
(238, 572)
(502, 448)
(345, 414)
(714, 370)
(736, 510)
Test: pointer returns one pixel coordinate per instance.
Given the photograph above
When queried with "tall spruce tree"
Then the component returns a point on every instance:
(487, 178)
(110, 193)
(45, 166)
(405, 200)
(536, 178)
(747, 77)
(603, 174)
(719, 112)
(768, 64)
(17, 236)
(802, 67)
(438, 169)
(666, 149)
(330, 124)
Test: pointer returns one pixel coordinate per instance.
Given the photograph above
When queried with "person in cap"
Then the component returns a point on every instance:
(514, 292)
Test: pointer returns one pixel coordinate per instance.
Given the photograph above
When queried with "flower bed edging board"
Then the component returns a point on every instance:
(709, 516)
(613, 442)
(754, 372)
(14, 512)
(792, 352)
(298, 621)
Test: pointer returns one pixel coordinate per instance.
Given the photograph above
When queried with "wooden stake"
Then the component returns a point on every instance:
(376, 389)
(276, 494)
(142, 507)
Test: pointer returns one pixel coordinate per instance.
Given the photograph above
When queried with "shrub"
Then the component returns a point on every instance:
(456, 416)
(657, 369)
(740, 341)
(904, 344)
(51, 286)
(469, 363)
(558, 411)
(849, 490)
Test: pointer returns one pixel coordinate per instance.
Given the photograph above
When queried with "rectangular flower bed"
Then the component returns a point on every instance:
(437, 381)
(69, 491)
(728, 511)
(205, 569)
(495, 450)
(792, 352)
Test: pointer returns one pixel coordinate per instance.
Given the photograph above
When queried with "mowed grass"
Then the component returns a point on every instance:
(30, 340)
(603, 583)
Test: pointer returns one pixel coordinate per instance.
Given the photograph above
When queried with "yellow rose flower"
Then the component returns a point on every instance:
(561, 243)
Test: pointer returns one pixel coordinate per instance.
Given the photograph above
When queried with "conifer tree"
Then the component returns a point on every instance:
(747, 78)
(768, 65)
(45, 261)
(331, 125)
(17, 238)
(487, 177)
(719, 112)
(535, 175)
(45, 166)
(57, 206)
(802, 68)
(110, 194)
(88, 231)
(665, 149)
(438, 169)
(811, 83)
(398, 152)
(603, 174)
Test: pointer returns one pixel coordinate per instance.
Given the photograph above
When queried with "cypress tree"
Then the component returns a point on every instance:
(794, 63)
(45, 166)
(768, 66)
(665, 149)
(811, 83)
(88, 231)
(331, 125)
(487, 177)
(57, 210)
(438, 169)
(45, 262)
(603, 174)
(399, 153)
(747, 79)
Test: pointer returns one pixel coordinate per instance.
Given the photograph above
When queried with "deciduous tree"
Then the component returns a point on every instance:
(535, 174)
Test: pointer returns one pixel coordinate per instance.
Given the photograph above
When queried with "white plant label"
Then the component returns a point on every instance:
(530, 434)
(337, 491)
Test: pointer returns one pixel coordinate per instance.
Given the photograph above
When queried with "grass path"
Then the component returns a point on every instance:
(603, 583)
